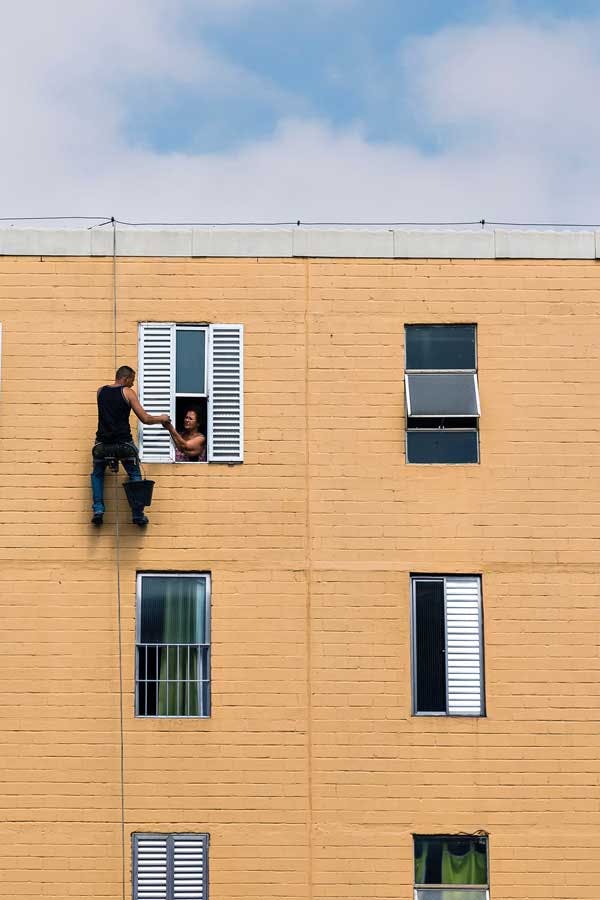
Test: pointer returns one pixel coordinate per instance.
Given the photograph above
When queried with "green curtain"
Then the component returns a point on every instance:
(184, 622)
(420, 862)
(465, 868)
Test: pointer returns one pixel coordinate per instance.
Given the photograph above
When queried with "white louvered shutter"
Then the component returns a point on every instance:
(189, 867)
(463, 647)
(151, 869)
(157, 390)
(226, 394)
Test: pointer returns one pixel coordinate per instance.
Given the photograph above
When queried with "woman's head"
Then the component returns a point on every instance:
(191, 419)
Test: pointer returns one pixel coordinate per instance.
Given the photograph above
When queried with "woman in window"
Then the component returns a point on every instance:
(190, 445)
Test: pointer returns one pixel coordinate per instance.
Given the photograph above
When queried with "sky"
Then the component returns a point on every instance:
(321, 110)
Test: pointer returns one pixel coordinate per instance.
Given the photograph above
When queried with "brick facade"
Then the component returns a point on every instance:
(311, 774)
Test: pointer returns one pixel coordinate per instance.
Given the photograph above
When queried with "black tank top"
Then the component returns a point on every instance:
(113, 415)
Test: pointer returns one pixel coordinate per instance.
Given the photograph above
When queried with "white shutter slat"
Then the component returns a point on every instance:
(151, 867)
(226, 394)
(156, 359)
(463, 645)
(189, 867)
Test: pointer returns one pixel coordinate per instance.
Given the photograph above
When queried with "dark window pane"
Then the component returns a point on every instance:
(151, 693)
(442, 446)
(141, 654)
(450, 859)
(436, 422)
(141, 699)
(152, 662)
(442, 395)
(172, 610)
(430, 644)
(440, 347)
(190, 361)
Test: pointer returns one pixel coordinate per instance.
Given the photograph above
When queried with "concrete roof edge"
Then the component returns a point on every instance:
(353, 243)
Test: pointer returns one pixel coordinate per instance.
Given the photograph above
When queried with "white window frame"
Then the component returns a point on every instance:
(184, 326)
(205, 714)
(180, 326)
(445, 580)
(224, 390)
(167, 859)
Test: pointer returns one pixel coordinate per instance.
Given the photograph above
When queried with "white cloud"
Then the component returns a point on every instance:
(516, 83)
(515, 102)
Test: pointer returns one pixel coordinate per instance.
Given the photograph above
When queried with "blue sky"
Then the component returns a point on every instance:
(338, 62)
(265, 109)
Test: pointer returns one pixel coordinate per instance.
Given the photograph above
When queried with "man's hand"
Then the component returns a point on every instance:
(164, 419)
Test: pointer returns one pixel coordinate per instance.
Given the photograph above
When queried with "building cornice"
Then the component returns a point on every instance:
(350, 243)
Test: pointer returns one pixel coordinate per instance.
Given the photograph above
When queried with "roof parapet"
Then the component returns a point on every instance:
(349, 243)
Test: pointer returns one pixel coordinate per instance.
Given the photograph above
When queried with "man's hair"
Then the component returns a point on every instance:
(124, 372)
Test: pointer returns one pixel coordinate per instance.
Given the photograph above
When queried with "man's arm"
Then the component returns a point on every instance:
(140, 412)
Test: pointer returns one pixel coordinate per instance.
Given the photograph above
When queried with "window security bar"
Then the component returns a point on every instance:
(172, 680)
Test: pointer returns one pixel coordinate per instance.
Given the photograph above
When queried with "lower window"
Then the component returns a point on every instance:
(451, 867)
(447, 645)
(173, 645)
(170, 866)
(442, 440)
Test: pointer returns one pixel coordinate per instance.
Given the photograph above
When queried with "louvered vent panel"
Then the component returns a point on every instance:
(463, 659)
(156, 389)
(189, 867)
(151, 867)
(226, 394)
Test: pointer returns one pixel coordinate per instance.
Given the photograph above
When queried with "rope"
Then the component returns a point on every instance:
(114, 286)
(118, 573)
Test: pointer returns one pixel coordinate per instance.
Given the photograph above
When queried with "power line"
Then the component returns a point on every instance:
(50, 218)
(107, 220)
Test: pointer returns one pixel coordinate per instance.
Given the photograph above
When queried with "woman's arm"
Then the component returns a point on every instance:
(193, 447)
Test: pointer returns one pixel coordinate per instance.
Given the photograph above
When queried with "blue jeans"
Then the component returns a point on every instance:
(131, 466)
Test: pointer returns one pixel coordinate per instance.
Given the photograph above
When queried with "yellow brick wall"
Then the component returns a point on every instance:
(311, 775)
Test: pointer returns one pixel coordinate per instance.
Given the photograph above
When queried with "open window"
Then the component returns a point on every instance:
(173, 645)
(451, 867)
(442, 394)
(183, 366)
(447, 645)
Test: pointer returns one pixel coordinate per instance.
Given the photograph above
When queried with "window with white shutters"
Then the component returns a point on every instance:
(447, 645)
(188, 366)
(170, 866)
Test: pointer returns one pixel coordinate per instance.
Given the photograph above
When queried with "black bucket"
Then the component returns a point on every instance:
(139, 493)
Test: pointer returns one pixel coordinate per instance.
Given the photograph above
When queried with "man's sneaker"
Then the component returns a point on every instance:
(141, 521)
(97, 519)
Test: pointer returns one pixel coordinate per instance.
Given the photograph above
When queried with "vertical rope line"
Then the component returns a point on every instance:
(114, 287)
(309, 574)
(118, 573)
